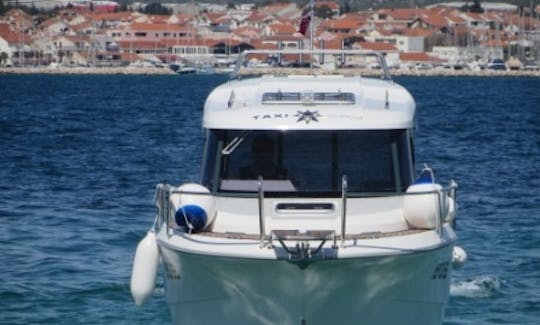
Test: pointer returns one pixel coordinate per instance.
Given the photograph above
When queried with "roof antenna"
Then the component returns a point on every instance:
(231, 100)
(386, 102)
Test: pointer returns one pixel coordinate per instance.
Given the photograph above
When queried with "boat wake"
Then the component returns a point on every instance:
(484, 286)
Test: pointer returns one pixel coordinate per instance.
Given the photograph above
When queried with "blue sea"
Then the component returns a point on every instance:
(80, 157)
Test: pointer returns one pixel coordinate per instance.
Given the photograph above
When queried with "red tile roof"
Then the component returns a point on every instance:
(257, 16)
(333, 44)
(215, 16)
(360, 15)
(283, 29)
(417, 32)
(377, 46)
(157, 27)
(336, 24)
(12, 36)
(416, 57)
(401, 14)
(433, 20)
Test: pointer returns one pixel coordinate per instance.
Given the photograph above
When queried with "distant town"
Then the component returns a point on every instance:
(102, 34)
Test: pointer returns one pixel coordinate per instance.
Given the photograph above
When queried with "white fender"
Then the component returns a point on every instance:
(193, 211)
(459, 257)
(145, 267)
(422, 210)
(451, 214)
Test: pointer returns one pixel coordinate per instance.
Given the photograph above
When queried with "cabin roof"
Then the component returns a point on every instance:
(377, 104)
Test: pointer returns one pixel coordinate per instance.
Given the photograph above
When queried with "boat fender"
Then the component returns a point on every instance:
(459, 257)
(422, 210)
(195, 212)
(145, 267)
(451, 213)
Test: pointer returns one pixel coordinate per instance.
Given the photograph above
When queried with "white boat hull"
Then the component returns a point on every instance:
(400, 289)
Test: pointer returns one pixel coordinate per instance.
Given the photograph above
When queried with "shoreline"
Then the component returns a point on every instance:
(86, 70)
(363, 72)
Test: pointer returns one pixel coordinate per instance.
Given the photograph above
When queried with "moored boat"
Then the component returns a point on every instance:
(308, 210)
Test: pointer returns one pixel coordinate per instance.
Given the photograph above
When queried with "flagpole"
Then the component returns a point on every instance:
(311, 21)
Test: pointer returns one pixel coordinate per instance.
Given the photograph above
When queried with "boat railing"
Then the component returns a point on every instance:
(343, 209)
(262, 228)
(165, 191)
(313, 62)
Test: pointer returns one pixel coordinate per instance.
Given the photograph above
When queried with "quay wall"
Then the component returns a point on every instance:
(86, 70)
(398, 72)
(458, 73)
(363, 72)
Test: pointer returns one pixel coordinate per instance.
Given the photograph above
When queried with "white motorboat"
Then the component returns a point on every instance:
(308, 210)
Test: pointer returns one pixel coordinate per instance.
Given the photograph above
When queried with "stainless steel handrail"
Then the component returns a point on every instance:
(162, 200)
(261, 210)
(343, 208)
(385, 72)
(164, 191)
(439, 212)
(248, 194)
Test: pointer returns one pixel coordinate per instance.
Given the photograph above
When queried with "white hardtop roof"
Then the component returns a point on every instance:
(309, 102)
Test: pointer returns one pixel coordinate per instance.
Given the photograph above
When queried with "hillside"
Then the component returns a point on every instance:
(421, 3)
(364, 4)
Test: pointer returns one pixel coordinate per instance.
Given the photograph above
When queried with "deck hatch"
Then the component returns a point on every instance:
(308, 98)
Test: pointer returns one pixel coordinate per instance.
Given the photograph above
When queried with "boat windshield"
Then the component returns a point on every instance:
(308, 163)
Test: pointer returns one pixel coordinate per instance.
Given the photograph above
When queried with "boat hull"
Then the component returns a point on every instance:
(401, 289)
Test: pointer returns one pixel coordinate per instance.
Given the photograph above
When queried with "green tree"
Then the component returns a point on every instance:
(323, 12)
(3, 58)
(33, 10)
(155, 8)
(475, 7)
(344, 7)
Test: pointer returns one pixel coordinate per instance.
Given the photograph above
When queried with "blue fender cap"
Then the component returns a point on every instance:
(192, 217)
(426, 177)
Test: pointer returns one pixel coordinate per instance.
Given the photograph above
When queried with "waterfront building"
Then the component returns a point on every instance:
(83, 37)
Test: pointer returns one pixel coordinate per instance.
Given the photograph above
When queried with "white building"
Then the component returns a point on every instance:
(4, 48)
(410, 43)
(450, 54)
(403, 43)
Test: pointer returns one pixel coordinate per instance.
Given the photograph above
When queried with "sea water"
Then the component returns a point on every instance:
(80, 157)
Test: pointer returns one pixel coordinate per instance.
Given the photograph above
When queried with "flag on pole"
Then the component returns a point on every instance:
(304, 24)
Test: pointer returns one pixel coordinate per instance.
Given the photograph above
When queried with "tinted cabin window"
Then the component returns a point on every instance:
(308, 162)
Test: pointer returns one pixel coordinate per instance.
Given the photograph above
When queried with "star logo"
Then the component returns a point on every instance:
(307, 116)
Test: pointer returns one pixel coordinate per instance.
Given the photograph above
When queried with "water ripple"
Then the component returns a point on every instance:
(81, 156)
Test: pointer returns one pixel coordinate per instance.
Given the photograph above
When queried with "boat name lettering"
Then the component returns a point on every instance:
(441, 271)
(270, 116)
(171, 271)
(306, 116)
(345, 117)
